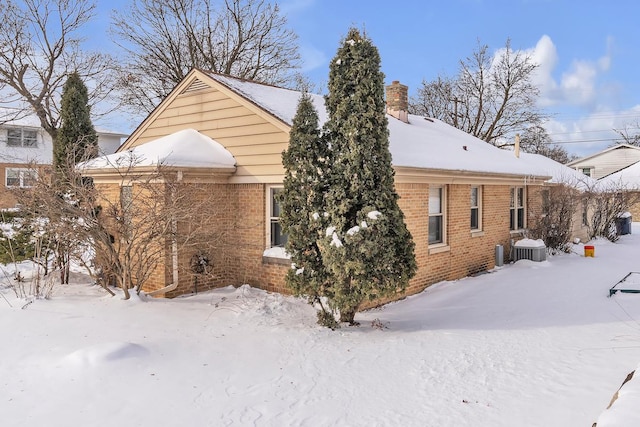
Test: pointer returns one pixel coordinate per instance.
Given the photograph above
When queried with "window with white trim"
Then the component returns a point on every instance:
(437, 209)
(275, 236)
(20, 177)
(476, 208)
(19, 137)
(586, 171)
(516, 211)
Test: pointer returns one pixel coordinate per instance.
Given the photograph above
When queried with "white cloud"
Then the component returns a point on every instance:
(577, 85)
(567, 93)
(593, 132)
(546, 56)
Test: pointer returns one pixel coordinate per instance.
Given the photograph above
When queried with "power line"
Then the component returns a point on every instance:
(590, 131)
(581, 141)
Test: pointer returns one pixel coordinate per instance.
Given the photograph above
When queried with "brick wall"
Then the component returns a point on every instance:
(8, 197)
(240, 226)
(465, 253)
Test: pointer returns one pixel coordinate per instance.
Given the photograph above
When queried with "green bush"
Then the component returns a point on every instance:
(16, 238)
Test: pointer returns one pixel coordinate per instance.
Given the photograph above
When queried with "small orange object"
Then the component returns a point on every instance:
(589, 251)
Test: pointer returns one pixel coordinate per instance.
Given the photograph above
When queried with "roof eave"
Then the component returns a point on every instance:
(138, 173)
(409, 174)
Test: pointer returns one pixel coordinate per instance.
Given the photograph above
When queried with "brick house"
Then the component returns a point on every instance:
(27, 150)
(461, 196)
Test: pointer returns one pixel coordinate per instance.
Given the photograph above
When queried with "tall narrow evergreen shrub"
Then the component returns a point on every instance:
(367, 246)
(76, 140)
(347, 237)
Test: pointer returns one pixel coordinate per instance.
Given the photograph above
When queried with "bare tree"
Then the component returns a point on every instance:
(555, 225)
(124, 231)
(39, 47)
(536, 140)
(165, 39)
(629, 134)
(491, 98)
(607, 202)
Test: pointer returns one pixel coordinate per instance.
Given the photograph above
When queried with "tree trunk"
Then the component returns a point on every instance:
(348, 314)
(124, 284)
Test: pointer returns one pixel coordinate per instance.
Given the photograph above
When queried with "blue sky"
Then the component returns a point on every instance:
(588, 51)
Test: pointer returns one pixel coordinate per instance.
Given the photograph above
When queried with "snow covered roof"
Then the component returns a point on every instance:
(627, 178)
(560, 174)
(421, 143)
(187, 148)
(278, 101)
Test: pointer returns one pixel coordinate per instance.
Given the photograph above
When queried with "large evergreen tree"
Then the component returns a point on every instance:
(302, 216)
(76, 140)
(367, 247)
(347, 237)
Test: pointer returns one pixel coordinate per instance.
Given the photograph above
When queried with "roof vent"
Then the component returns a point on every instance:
(195, 86)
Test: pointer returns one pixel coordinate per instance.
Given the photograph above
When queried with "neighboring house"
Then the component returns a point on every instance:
(573, 179)
(607, 161)
(460, 196)
(625, 179)
(26, 150)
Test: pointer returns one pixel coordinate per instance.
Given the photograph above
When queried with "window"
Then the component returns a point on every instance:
(276, 237)
(20, 177)
(516, 219)
(476, 208)
(437, 202)
(18, 137)
(586, 171)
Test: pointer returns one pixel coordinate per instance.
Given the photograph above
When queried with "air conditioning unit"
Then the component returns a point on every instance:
(533, 250)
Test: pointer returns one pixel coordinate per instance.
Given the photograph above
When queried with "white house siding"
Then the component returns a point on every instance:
(608, 161)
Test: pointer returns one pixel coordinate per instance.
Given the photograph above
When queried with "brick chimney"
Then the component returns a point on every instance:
(398, 101)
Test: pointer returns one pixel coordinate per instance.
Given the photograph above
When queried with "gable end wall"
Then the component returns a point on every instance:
(255, 143)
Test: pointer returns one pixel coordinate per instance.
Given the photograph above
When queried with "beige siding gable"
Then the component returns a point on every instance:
(608, 161)
(254, 137)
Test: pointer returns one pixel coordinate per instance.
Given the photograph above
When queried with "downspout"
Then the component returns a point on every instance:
(174, 250)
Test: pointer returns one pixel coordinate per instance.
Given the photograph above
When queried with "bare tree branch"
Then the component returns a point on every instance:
(39, 47)
(491, 98)
(630, 134)
(130, 225)
(165, 39)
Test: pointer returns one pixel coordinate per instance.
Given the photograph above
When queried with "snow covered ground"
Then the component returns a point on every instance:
(530, 344)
